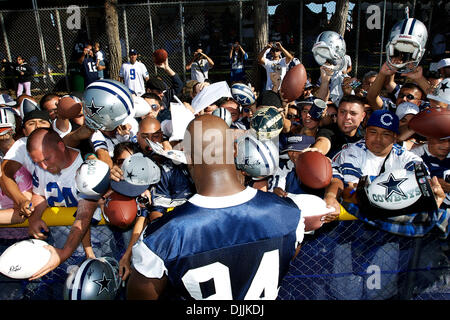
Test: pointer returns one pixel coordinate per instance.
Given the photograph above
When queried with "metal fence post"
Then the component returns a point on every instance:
(151, 29)
(183, 54)
(5, 37)
(240, 21)
(382, 34)
(61, 44)
(41, 38)
(358, 26)
(300, 40)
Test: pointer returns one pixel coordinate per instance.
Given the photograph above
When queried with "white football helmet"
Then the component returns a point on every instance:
(406, 45)
(330, 48)
(7, 120)
(255, 157)
(92, 179)
(94, 279)
(224, 114)
(106, 104)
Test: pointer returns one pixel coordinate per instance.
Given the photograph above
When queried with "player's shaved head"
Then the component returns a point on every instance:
(44, 139)
(208, 144)
(149, 123)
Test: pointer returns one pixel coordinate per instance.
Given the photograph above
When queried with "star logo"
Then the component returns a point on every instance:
(392, 185)
(103, 283)
(130, 175)
(444, 86)
(93, 108)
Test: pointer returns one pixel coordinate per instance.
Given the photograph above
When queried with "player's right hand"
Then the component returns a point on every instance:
(26, 208)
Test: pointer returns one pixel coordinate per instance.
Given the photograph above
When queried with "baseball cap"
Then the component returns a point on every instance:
(308, 85)
(139, 173)
(405, 108)
(132, 52)
(384, 119)
(37, 114)
(155, 83)
(443, 63)
(440, 93)
(298, 142)
(26, 106)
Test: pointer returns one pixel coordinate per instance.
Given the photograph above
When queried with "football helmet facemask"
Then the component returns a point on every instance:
(330, 49)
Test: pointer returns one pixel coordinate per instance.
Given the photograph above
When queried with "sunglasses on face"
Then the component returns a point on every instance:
(154, 107)
(292, 116)
(333, 115)
(408, 96)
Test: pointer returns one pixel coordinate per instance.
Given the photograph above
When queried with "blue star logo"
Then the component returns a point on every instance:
(392, 185)
(93, 108)
(103, 283)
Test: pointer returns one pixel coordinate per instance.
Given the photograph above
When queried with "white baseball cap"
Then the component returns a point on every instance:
(405, 108)
(443, 63)
(441, 92)
(139, 173)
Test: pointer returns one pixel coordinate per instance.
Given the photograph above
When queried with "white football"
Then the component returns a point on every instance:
(313, 209)
(394, 190)
(24, 258)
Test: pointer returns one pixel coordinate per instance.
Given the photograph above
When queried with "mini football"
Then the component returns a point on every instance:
(69, 107)
(432, 122)
(120, 210)
(243, 94)
(314, 169)
(24, 258)
(313, 209)
(159, 56)
(293, 83)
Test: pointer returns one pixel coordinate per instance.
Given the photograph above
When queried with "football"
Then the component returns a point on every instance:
(243, 94)
(314, 169)
(293, 83)
(69, 107)
(267, 122)
(24, 258)
(159, 56)
(120, 210)
(313, 209)
(432, 123)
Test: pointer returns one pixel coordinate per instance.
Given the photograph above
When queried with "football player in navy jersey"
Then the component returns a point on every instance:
(227, 241)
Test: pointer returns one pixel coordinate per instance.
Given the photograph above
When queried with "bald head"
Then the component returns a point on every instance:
(208, 145)
(43, 139)
(149, 128)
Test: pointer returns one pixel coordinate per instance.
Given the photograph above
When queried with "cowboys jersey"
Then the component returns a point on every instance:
(356, 160)
(438, 168)
(232, 247)
(174, 187)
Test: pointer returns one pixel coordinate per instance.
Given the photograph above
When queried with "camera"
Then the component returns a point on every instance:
(447, 176)
(144, 201)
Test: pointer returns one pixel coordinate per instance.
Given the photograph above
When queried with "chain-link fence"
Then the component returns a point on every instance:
(50, 37)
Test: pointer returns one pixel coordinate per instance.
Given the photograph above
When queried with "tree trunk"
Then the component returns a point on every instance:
(261, 32)
(112, 31)
(338, 22)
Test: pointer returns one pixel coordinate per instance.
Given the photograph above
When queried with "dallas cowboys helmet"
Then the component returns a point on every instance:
(243, 94)
(255, 157)
(330, 48)
(94, 279)
(7, 119)
(396, 193)
(406, 45)
(440, 93)
(92, 179)
(223, 113)
(106, 104)
(266, 123)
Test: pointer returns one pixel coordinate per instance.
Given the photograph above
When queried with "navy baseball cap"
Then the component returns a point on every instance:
(384, 119)
(298, 142)
(132, 52)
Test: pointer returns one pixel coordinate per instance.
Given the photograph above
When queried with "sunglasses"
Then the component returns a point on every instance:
(292, 116)
(154, 107)
(408, 96)
(333, 115)
(246, 109)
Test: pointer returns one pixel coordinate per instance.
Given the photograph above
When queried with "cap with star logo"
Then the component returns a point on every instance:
(139, 173)
(442, 92)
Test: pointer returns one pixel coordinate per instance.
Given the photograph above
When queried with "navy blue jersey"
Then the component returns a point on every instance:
(234, 247)
(174, 187)
(89, 69)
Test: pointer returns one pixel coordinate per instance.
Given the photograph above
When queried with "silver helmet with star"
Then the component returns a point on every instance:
(106, 104)
(94, 279)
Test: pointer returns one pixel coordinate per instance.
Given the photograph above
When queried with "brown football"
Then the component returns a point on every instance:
(432, 123)
(293, 83)
(68, 107)
(120, 210)
(159, 56)
(314, 169)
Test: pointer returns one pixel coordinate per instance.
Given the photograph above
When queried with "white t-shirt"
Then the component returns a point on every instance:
(59, 190)
(199, 70)
(18, 152)
(134, 76)
(272, 66)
